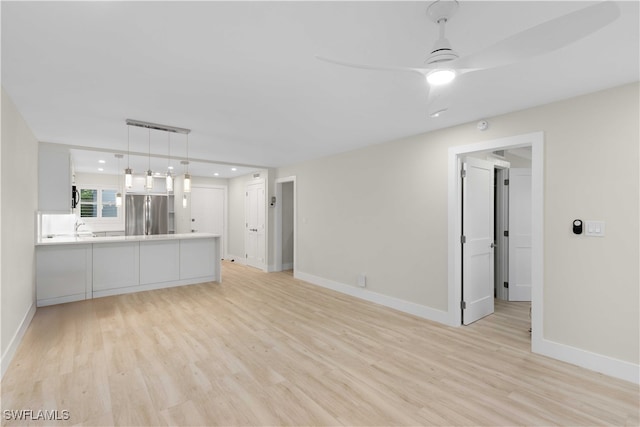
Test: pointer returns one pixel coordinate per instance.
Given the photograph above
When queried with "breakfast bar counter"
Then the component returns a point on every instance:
(72, 268)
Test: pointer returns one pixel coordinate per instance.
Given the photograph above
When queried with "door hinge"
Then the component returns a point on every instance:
(246, 255)
(463, 305)
(463, 239)
(506, 182)
(506, 285)
(506, 233)
(463, 173)
(246, 194)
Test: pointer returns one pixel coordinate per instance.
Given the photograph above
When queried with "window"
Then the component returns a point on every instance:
(109, 208)
(98, 203)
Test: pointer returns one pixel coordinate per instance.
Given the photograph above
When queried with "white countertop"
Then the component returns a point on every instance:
(83, 240)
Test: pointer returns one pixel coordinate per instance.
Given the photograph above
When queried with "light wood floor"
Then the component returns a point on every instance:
(266, 349)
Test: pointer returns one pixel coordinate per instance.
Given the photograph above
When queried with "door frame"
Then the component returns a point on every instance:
(225, 223)
(501, 216)
(277, 245)
(536, 141)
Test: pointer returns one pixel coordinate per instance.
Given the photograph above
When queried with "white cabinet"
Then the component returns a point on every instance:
(159, 261)
(63, 274)
(198, 258)
(71, 270)
(115, 266)
(139, 181)
(54, 179)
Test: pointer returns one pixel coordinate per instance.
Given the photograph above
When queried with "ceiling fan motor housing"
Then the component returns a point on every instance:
(441, 52)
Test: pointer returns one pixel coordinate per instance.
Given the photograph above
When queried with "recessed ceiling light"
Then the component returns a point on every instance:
(171, 167)
(100, 169)
(234, 169)
(101, 162)
(216, 174)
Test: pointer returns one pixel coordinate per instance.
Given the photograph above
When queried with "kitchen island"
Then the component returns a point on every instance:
(71, 268)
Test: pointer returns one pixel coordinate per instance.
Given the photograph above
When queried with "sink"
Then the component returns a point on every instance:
(84, 234)
(79, 235)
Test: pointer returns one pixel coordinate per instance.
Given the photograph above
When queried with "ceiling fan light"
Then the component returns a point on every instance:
(441, 77)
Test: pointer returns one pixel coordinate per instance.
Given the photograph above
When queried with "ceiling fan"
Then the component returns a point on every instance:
(444, 64)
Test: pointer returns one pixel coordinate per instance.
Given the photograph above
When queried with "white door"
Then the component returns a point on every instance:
(255, 225)
(477, 247)
(520, 234)
(208, 211)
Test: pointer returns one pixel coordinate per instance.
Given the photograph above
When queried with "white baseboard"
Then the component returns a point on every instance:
(153, 286)
(593, 361)
(286, 266)
(385, 300)
(7, 357)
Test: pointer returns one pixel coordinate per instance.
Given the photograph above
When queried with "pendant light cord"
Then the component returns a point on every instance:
(128, 151)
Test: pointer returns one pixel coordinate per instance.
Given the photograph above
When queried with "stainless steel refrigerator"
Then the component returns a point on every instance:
(145, 214)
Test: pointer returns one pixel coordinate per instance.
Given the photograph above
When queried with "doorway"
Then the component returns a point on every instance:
(255, 224)
(285, 224)
(496, 224)
(455, 255)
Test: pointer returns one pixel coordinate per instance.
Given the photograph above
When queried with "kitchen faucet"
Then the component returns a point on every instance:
(79, 222)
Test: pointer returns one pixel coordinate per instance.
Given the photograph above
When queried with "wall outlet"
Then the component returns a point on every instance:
(362, 280)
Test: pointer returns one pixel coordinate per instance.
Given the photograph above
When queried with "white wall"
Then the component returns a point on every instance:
(382, 211)
(19, 158)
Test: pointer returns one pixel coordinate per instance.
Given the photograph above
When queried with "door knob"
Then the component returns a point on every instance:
(493, 245)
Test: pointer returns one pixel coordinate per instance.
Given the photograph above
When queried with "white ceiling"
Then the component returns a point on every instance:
(243, 77)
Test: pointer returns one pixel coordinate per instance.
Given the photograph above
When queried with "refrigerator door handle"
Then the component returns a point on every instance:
(147, 228)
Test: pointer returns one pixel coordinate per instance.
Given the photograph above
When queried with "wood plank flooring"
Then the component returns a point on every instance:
(266, 349)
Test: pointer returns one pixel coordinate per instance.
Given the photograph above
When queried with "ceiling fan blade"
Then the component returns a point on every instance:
(421, 71)
(543, 38)
(439, 99)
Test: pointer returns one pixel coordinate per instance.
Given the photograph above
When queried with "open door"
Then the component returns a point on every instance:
(520, 234)
(477, 240)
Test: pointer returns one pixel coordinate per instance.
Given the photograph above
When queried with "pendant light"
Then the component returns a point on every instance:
(128, 175)
(169, 177)
(187, 176)
(119, 194)
(149, 182)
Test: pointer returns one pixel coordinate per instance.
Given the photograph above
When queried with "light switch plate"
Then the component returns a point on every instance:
(594, 228)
